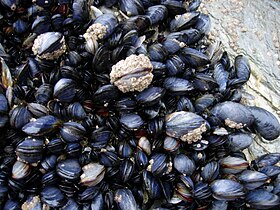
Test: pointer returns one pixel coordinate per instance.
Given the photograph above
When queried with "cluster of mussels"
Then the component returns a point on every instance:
(126, 105)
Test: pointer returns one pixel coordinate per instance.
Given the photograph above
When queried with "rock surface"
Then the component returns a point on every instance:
(252, 28)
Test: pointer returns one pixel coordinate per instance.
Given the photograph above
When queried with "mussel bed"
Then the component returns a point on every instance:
(126, 105)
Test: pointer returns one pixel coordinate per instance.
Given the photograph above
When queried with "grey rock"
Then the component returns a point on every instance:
(252, 28)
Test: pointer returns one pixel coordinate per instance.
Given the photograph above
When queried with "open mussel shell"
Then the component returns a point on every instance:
(262, 199)
(225, 189)
(185, 125)
(265, 123)
(93, 173)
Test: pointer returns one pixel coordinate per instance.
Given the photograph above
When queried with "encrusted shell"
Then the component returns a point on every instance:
(132, 74)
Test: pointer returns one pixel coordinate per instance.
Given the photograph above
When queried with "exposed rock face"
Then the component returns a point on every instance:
(252, 28)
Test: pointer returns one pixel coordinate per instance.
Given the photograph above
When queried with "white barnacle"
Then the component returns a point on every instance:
(132, 74)
(233, 124)
(96, 31)
(195, 134)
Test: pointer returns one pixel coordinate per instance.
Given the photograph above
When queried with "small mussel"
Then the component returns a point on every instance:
(239, 141)
(93, 173)
(150, 96)
(53, 197)
(103, 26)
(226, 189)
(132, 74)
(69, 169)
(131, 121)
(49, 45)
(64, 90)
(125, 199)
(30, 150)
(72, 132)
(186, 126)
(20, 170)
(233, 165)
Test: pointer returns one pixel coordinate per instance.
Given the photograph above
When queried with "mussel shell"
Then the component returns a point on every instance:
(37, 110)
(177, 86)
(41, 126)
(20, 170)
(131, 7)
(267, 160)
(237, 114)
(3, 104)
(19, 116)
(265, 123)
(69, 169)
(64, 90)
(225, 189)
(131, 121)
(252, 179)
(210, 171)
(183, 21)
(261, 199)
(239, 141)
(125, 199)
(183, 164)
(180, 124)
(52, 196)
(30, 150)
(49, 45)
(72, 132)
(150, 96)
(233, 165)
(193, 57)
(151, 184)
(158, 164)
(157, 13)
(93, 173)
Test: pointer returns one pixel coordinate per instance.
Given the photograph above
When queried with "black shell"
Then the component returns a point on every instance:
(238, 114)
(265, 123)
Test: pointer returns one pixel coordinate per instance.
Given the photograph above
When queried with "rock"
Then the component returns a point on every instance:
(251, 28)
